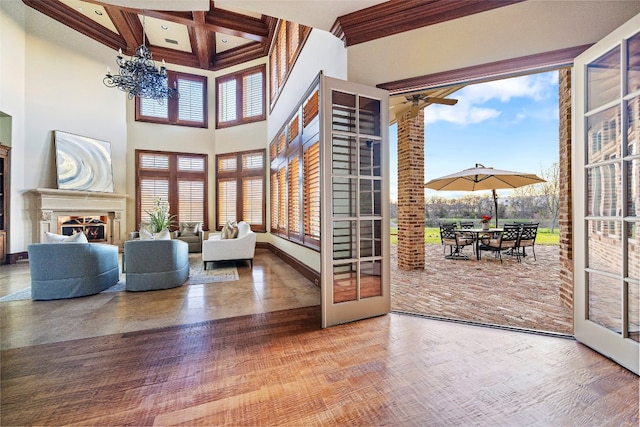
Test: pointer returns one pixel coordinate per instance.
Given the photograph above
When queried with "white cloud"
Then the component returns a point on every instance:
(462, 114)
(469, 108)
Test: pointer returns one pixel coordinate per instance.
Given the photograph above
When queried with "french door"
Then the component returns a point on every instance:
(606, 198)
(355, 202)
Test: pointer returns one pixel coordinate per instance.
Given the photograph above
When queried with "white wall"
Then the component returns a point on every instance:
(12, 103)
(507, 32)
(322, 52)
(52, 81)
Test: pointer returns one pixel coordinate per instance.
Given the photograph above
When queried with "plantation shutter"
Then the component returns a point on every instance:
(227, 101)
(273, 65)
(282, 52)
(253, 188)
(282, 201)
(150, 189)
(176, 178)
(191, 101)
(294, 129)
(274, 201)
(312, 192)
(293, 40)
(241, 188)
(294, 198)
(152, 108)
(227, 201)
(310, 109)
(190, 200)
(253, 102)
(191, 164)
(189, 108)
(252, 200)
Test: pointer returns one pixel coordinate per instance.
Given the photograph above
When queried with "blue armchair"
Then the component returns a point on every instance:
(69, 270)
(155, 264)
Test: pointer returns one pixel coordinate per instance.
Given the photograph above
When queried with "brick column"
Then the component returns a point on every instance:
(411, 192)
(566, 224)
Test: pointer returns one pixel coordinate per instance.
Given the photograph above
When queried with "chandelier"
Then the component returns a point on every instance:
(139, 75)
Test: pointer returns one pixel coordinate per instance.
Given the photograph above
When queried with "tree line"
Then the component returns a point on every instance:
(539, 202)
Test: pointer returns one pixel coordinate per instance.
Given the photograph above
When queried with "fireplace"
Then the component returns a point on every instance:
(94, 227)
(101, 216)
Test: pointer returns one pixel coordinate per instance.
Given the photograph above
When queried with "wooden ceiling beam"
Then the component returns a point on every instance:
(129, 27)
(201, 43)
(77, 21)
(240, 54)
(235, 24)
(398, 16)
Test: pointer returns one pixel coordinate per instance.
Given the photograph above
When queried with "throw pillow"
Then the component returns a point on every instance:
(234, 233)
(189, 228)
(145, 234)
(163, 235)
(57, 238)
(227, 230)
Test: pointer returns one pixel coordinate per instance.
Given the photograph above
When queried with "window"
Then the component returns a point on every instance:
(189, 109)
(179, 178)
(288, 43)
(295, 176)
(241, 97)
(240, 189)
(311, 191)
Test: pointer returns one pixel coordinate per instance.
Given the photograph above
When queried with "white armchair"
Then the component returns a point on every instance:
(242, 248)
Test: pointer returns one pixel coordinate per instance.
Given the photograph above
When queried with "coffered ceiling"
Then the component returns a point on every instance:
(213, 35)
(216, 38)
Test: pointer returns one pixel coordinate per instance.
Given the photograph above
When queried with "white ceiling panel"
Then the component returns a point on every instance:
(166, 34)
(92, 11)
(313, 13)
(226, 42)
(174, 5)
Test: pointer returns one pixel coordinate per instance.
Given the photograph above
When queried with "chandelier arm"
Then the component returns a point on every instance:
(139, 76)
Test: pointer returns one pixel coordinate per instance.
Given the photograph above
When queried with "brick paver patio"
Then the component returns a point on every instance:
(521, 295)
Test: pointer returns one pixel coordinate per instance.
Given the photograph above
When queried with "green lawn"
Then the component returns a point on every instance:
(432, 236)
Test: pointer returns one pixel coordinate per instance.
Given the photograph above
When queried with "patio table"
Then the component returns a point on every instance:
(476, 236)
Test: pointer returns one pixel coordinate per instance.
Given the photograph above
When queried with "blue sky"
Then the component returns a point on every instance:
(507, 124)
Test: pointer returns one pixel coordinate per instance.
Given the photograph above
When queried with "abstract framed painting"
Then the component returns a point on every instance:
(83, 163)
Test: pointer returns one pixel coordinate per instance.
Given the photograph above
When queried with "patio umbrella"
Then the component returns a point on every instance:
(483, 178)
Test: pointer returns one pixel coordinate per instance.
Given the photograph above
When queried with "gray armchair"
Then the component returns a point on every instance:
(70, 270)
(192, 234)
(155, 264)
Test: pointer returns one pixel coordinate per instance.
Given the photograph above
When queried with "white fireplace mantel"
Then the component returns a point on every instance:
(52, 203)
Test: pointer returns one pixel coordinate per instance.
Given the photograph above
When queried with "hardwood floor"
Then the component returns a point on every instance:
(181, 357)
(280, 368)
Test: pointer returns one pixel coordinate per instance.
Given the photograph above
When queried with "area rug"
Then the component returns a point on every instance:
(216, 272)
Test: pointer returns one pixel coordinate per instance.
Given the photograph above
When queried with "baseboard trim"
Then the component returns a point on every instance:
(306, 271)
(13, 258)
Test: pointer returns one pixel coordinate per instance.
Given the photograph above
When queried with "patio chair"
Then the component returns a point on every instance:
(527, 239)
(455, 240)
(505, 240)
(466, 224)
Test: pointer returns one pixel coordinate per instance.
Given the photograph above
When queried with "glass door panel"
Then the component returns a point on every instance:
(606, 196)
(603, 79)
(355, 221)
(633, 63)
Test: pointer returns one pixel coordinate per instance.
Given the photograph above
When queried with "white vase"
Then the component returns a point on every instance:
(485, 226)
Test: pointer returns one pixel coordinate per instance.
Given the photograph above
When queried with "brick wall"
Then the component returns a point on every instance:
(566, 225)
(411, 192)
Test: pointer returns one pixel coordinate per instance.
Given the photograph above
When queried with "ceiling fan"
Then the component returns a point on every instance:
(419, 100)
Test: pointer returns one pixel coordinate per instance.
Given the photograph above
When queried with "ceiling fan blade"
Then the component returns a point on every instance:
(402, 110)
(445, 101)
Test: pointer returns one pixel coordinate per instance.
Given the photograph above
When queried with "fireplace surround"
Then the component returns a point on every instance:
(54, 207)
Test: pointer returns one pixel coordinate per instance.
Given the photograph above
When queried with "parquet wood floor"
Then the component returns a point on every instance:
(280, 368)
